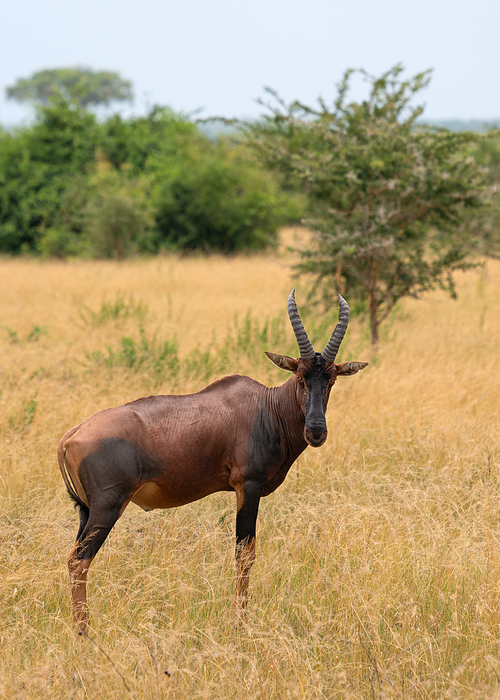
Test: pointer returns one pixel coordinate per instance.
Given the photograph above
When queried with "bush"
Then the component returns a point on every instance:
(218, 199)
(118, 309)
(147, 354)
(57, 242)
(39, 165)
(138, 142)
(71, 186)
(113, 222)
(116, 215)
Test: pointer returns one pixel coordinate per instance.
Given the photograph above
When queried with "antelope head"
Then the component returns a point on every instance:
(315, 373)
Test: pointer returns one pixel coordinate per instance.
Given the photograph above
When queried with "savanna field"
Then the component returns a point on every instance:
(378, 559)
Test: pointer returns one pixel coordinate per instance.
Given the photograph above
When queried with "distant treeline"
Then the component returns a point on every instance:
(479, 125)
(73, 186)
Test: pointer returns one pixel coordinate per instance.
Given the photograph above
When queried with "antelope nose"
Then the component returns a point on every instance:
(316, 435)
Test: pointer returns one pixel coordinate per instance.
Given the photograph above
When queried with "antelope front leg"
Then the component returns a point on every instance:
(248, 498)
(78, 569)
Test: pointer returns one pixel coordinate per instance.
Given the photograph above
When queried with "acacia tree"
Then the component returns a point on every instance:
(88, 87)
(387, 196)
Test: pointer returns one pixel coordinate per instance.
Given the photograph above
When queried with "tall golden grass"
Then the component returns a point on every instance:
(378, 560)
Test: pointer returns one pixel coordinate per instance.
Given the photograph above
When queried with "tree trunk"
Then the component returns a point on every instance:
(372, 287)
(372, 309)
(339, 280)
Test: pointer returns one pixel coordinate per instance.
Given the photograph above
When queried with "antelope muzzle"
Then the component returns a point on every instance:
(315, 434)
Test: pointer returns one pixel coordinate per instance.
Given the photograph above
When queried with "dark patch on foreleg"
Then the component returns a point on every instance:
(248, 499)
(84, 517)
(89, 541)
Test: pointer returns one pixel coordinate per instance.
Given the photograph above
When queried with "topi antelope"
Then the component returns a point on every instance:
(166, 451)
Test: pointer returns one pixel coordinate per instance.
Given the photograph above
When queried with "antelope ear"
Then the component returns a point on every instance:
(283, 362)
(345, 369)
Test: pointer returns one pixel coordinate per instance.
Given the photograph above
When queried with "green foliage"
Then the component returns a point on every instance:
(246, 338)
(42, 179)
(119, 309)
(12, 334)
(485, 225)
(145, 354)
(29, 412)
(116, 216)
(88, 87)
(218, 200)
(60, 242)
(204, 195)
(143, 143)
(25, 416)
(72, 186)
(33, 336)
(388, 198)
(36, 332)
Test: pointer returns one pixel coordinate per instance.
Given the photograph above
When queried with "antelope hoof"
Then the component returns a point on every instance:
(240, 612)
(81, 620)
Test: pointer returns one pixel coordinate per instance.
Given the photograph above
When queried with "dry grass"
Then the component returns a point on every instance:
(378, 569)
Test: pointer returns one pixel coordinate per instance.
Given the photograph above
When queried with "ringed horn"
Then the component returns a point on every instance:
(305, 346)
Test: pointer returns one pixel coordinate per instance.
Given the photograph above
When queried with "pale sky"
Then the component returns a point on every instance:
(218, 54)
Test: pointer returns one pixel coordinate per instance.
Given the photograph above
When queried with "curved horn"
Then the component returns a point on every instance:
(305, 346)
(330, 352)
